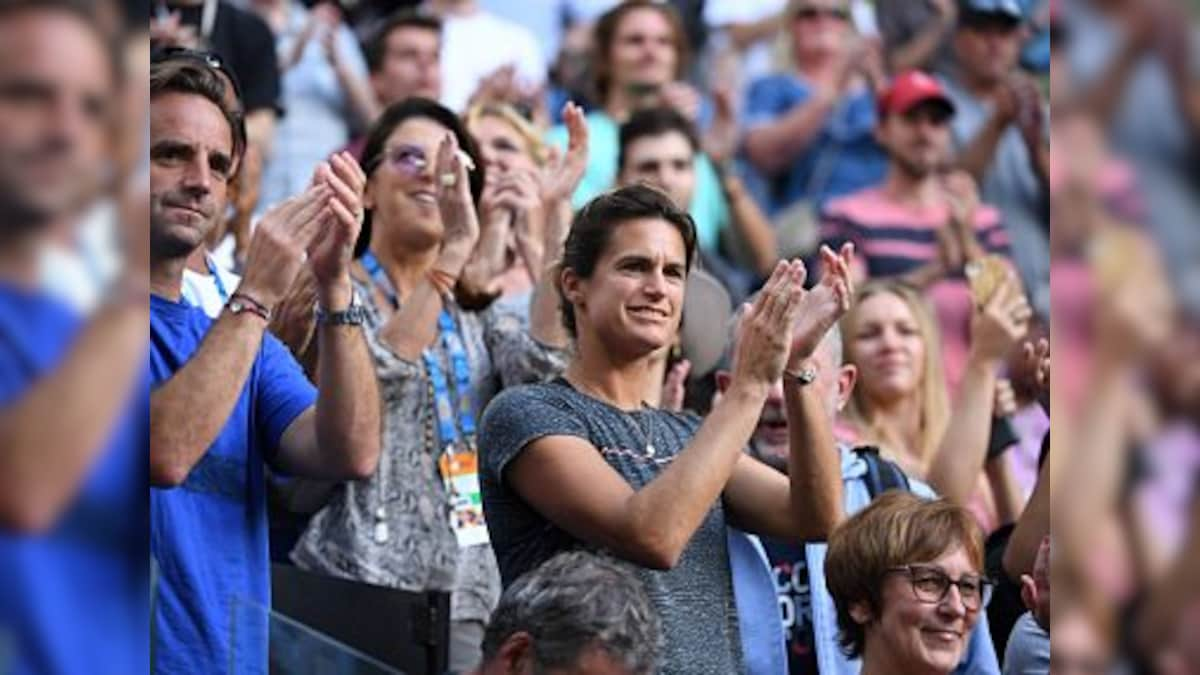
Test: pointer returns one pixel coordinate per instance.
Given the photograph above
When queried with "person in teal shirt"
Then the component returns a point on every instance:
(639, 61)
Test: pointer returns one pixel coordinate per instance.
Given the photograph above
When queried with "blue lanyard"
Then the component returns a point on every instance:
(212, 269)
(371, 264)
(456, 424)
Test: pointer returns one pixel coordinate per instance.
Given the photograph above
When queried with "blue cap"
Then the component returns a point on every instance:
(1009, 9)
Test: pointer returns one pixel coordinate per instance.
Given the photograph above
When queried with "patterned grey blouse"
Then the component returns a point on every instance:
(420, 552)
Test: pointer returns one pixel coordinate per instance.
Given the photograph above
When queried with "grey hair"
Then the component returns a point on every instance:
(831, 342)
(574, 602)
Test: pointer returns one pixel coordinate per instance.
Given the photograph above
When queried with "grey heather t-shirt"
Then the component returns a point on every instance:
(695, 599)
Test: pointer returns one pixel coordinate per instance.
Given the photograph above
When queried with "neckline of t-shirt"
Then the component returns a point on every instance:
(171, 309)
(646, 408)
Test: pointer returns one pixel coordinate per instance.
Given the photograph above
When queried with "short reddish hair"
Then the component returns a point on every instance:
(897, 529)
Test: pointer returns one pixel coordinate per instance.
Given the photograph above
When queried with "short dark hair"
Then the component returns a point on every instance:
(652, 122)
(604, 34)
(387, 122)
(575, 602)
(595, 223)
(375, 49)
(187, 74)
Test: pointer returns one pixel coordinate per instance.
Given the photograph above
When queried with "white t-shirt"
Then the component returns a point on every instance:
(759, 59)
(203, 291)
(475, 46)
(756, 60)
(80, 273)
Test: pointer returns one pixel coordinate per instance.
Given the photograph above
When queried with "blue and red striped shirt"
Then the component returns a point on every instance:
(893, 238)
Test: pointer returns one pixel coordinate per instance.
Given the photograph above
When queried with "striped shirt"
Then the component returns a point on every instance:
(892, 239)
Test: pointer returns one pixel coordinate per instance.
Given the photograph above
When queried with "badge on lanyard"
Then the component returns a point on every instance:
(460, 473)
(459, 462)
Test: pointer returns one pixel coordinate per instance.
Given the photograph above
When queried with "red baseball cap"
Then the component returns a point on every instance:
(910, 88)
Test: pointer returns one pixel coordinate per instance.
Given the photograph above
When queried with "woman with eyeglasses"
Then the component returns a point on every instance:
(417, 524)
(906, 576)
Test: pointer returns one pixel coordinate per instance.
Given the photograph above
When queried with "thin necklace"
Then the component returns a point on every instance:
(630, 416)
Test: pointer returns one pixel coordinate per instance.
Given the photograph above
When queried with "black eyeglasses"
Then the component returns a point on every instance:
(931, 585)
(814, 13)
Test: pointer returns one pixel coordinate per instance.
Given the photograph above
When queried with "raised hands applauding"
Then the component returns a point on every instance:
(823, 305)
(459, 218)
(784, 325)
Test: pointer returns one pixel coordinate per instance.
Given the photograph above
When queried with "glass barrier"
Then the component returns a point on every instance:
(264, 641)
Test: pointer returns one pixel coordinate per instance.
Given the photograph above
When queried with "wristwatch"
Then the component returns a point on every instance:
(354, 315)
(803, 377)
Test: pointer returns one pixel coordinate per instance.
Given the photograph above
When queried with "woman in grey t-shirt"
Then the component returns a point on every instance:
(583, 463)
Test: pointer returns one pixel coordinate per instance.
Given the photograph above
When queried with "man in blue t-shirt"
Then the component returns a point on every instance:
(227, 397)
(72, 516)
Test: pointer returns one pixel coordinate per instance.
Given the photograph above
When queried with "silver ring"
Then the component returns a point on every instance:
(449, 179)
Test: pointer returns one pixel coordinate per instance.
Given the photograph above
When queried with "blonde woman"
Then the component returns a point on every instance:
(508, 260)
(901, 403)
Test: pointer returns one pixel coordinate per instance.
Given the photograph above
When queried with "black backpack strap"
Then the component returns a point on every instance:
(882, 474)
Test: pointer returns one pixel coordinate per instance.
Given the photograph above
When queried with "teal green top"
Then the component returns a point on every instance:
(708, 208)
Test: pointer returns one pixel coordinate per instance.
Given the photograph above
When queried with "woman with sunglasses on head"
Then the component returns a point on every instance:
(416, 525)
(906, 576)
(584, 463)
(810, 129)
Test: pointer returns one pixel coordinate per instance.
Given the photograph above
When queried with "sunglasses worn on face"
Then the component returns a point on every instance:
(931, 585)
(409, 160)
(814, 13)
(930, 111)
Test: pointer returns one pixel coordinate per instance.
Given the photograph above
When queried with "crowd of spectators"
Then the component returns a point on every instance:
(663, 337)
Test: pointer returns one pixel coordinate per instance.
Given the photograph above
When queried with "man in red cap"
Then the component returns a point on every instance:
(924, 222)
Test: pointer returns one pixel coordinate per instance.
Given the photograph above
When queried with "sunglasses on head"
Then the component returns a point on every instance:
(201, 58)
(814, 13)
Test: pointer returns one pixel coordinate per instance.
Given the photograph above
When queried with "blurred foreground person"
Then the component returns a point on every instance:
(577, 614)
(228, 397)
(906, 576)
(72, 519)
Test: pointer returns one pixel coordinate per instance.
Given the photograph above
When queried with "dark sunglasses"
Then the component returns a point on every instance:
(814, 13)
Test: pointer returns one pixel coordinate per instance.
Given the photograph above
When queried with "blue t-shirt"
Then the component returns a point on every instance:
(71, 599)
(209, 535)
(846, 146)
